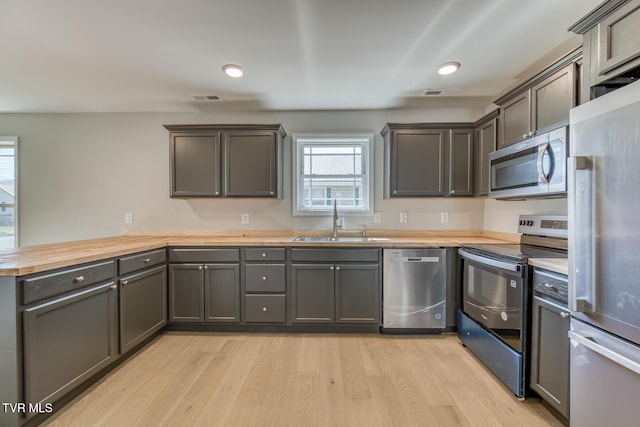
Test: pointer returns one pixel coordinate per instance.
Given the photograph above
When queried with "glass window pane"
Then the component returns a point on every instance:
(7, 196)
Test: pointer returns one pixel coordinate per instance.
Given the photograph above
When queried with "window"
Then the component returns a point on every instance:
(8, 193)
(332, 167)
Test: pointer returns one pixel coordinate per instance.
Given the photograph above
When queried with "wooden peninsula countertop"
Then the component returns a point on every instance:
(557, 265)
(34, 259)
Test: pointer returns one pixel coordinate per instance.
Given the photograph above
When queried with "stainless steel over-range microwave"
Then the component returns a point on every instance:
(536, 167)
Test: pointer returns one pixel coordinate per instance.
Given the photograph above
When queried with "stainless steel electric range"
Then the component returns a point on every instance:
(494, 322)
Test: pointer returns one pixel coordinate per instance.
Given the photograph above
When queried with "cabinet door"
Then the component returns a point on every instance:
(186, 299)
(195, 160)
(312, 293)
(618, 35)
(416, 164)
(250, 163)
(515, 119)
(222, 293)
(485, 143)
(68, 340)
(550, 354)
(552, 99)
(143, 306)
(461, 162)
(357, 293)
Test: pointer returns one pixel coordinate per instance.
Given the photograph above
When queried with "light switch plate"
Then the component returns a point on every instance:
(444, 217)
(403, 218)
(244, 218)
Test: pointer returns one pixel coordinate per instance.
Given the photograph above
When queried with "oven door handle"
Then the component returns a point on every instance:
(489, 261)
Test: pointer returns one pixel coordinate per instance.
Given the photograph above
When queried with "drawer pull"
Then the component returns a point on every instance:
(124, 282)
(147, 260)
(264, 308)
(264, 277)
(264, 254)
(78, 279)
(199, 267)
(114, 287)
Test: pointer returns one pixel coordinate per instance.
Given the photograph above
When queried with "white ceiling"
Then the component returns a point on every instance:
(155, 55)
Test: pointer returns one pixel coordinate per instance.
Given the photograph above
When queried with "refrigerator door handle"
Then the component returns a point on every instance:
(592, 345)
(580, 189)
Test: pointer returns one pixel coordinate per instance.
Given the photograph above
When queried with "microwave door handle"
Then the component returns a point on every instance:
(582, 293)
(544, 179)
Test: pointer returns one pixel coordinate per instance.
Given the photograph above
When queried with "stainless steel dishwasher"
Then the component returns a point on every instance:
(414, 290)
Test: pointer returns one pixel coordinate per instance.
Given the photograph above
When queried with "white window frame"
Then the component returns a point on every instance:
(13, 141)
(367, 195)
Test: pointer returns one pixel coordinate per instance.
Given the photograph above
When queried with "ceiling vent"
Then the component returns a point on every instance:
(441, 92)
(206, 97)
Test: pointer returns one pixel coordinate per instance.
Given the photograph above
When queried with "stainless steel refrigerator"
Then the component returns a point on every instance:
(604, 260)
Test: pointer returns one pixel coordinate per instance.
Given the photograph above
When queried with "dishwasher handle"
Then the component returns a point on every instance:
(416, 259)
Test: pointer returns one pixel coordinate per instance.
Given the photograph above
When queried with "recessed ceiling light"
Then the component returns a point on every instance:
(448, 68)
(233, 70)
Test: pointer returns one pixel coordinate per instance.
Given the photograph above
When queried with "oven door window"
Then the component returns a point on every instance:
(495, 298)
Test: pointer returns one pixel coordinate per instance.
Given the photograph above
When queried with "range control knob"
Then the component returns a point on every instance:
(522, 222)
(530, 223)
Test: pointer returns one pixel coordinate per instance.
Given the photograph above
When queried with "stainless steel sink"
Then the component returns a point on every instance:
(329, 239)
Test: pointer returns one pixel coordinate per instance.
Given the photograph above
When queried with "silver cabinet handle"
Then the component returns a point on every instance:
(114, 287)
(524, 135)
(124, 282)
(264, 277)
(564, 314)
(78, 279)
(206, 267)
(337, 268)
(331, 268)
(199, 267)
(264, 308)
(264, 254)
(147, 260)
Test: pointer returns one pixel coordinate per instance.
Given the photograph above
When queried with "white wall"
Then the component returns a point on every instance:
(80, 173)
(502, 215)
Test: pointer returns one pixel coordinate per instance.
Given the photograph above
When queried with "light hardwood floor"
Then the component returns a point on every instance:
(225, 379)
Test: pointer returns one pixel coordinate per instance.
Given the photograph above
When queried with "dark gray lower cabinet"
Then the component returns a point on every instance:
(143, 306)
(550, 353)
(313, 293)
(204, 293)
(222, 293)
(342, 293)
(357, 293)
(67, 340)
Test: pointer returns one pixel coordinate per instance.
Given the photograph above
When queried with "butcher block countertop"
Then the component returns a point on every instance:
(39, 258)
(557, 265)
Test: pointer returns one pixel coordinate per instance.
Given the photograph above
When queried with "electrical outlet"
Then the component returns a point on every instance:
(403, 218)
(444, 217)
(377, 217)
(244, 218)
(128, 218)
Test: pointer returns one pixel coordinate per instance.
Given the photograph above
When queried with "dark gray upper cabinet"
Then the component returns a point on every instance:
(484, 143)
(428, 159)
(250, 163)
(611, 49)
(540, 104)
(195, 164)
(226, 160)
(461, 162)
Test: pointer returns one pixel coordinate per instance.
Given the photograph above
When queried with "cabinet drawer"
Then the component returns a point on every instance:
(265, 278)
(204, 255)
(265, 308)
(262, 255)
(142, 260)
(47, 285)
(335, 255)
